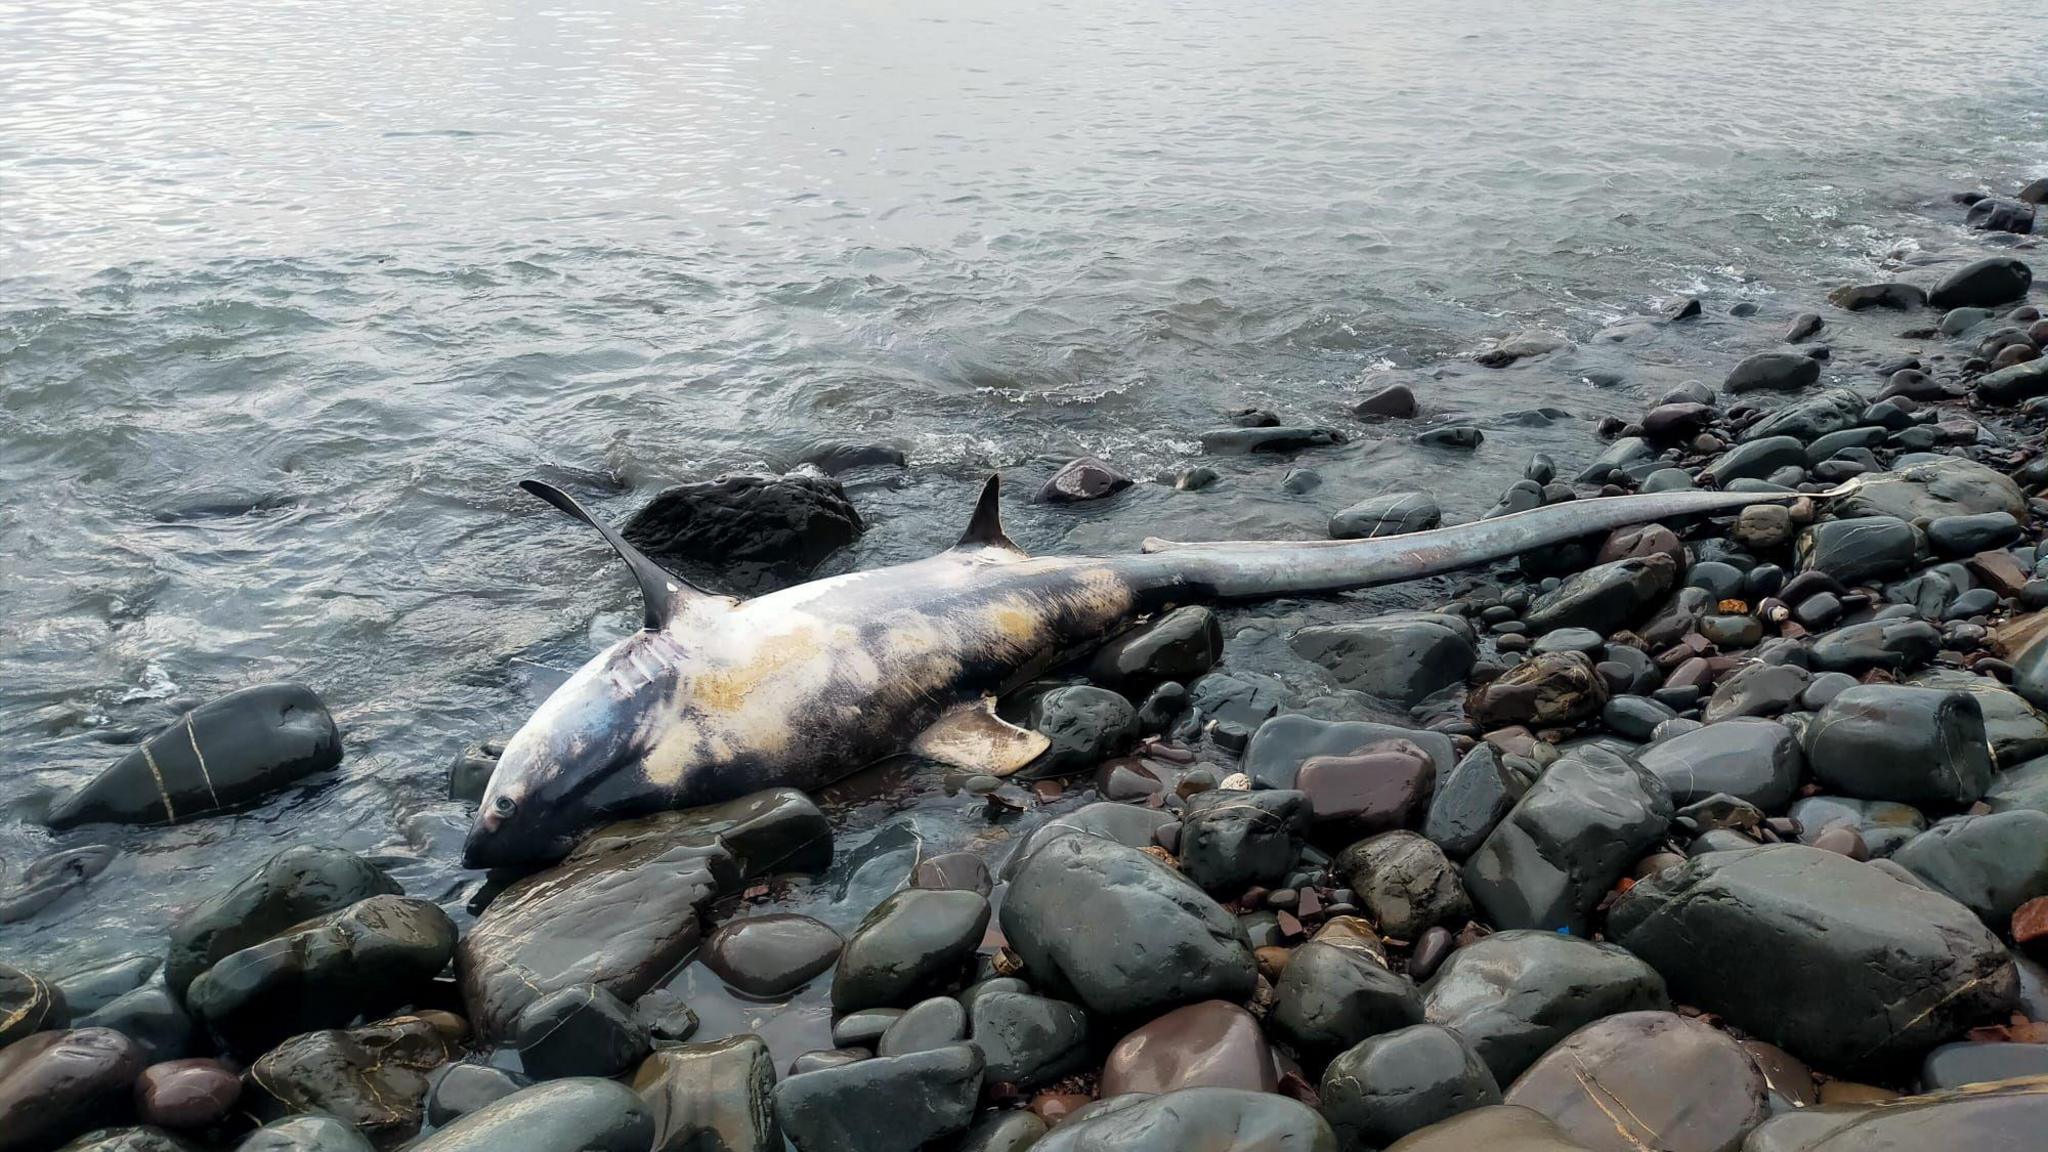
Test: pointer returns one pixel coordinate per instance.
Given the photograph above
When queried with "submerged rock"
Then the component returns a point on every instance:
(1514, 995)
(1773, 371)
(771, 956)
(751, 532)
(290, 888)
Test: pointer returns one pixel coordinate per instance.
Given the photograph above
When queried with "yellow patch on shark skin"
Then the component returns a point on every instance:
(672, 755)
(727, 690)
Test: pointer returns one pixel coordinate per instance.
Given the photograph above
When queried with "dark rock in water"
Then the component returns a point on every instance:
(1677, 421)
(580, 1114)
(1461, 436)
(49, 879)
(1180, 645)
(887, 1104)
(1402, 658)
(2034, 193)
(667, 1017)
(1683, 308)
(1957, 321)
(1300, 481)
(54, 1085)
(1554, 688)
(717, 1097)
(1892, 742)
(746, 533)
(1086, 478)
(1028, 1040)
(1337, 990)
(1753, 759)
(1858, 648)
(835, 456)
(1993, 214)
(1230, 840)
(771, 956)
(309, 1133)
(1989, 864)
(1193, 949)
(152, 1018)
(374, 954)
(373, 1077)
(1520, 346)
(1620, 455)
(1882, 825)
(1393, 514)
(1503, 1128)
(1209, 1119)
(1803, 327)
(291, 887)
(581, 1030)
(1403, 1081)
(224, 755)
(1283, 745)
(1968, 535)
(1648, 1080)
(1929, 486)
(89, 990)
(1809, 419)
(1954, 1065)
(1207, 1045)
(1156, 714)
(1240, 441)
(1856, 298)
(912, 945)
(2014, 383)
(1467, 804)
(1983, 283)
(1833, 960)
(1406, 883)
(194, 1093)
(137, 1139)
(29, 1004)
(621, 911)
(1086, 725)
(1853, 551)
(927, 1024)
(1606, 598)
(864, 1027)
(470, 773)
(1773, 371)
(1514, 995)
(1195, 479)
(459, 1089)
(1577, 830)
(1394, 402)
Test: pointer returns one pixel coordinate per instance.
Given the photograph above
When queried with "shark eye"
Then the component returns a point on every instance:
(504, 806)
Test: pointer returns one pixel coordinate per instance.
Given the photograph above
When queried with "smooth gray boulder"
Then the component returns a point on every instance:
(1514, 995)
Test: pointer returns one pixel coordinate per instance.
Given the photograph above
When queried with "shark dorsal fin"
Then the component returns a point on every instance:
(985, 530)
(661, 591)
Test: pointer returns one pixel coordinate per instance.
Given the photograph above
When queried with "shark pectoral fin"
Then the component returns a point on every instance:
(972, 737)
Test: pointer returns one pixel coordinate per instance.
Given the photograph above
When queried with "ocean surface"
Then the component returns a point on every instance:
(292, 293)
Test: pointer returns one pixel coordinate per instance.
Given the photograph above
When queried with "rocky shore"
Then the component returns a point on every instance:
(1696, 837)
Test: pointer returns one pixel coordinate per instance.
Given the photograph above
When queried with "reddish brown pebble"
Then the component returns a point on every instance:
(1211, 1044)
(1843, 839)
(186, 1093)
(2030, 922)
(1048, 791)
(1272, 961)
(1053, 1107)
(1429, 953)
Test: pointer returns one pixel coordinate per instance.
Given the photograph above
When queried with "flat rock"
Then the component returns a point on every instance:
(1392, 514)
(771, 956)
(1281, 745)
(1210, 1044)
(911, 945)
(1926, 487)
(2009, 1115)
(1514, 995)
(716, 1097)
(1648, 1080)
(1403, 658)
(579, 1114)
(1241, 441)
(886, 1104)
(1894, 742)
(1503, 1128)
(1753, 759)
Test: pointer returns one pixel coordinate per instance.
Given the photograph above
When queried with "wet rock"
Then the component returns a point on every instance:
(459, 1089)
(580, 1114)
(56, 1084)
(1086, 725)
(194, 1093)
(470, 772)
(1576, 832)
(1772, 371)
(1910, 745)
(912, 945)
(149, 1015)
(89, 990)
(1394, 402)
(308, 1133)
(222, 756)
(2005, 1116)
(1893, 295)
(29, 1004)
(1520, 346)
(1392, 514)
(1211, 1119)
(1283, 745)
(291, 887)
(374, 1077)
(1966, 535)
(49, 879)
(1180, 645)
(1803, 327)
(1514, 995)
(581, 1030)
(1382, 787)
(1648, 1080)
(887, 1103)
(1242, 441)
(1337, 990)
(771, 956)
(1497, 1129)
(1194, 949)
(374, 954)
(1402, 658)
(1755, 689)
(1853, 551)
(1989, 864)
(1809, 419)
(1125, 824)
(745, 533)
(1835, 961)
(1607, 597)
(1858, 648)
(1462, 437)
(1993, 214)
(142, 1138)
(1881, 826)
(1753, 759)
(1407, 883)
(622, 910)
(1210, 1044)
(1028, 1040)
(1551, 689)
(2014, 383)
(1927, 487)
(1476, 795)
(835, 456)
(717, 1097)
(927, 1024)
(1231, 840)
(1677, 421)
(1954, 1065)
(1401, 1082)
(1001, 1132)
